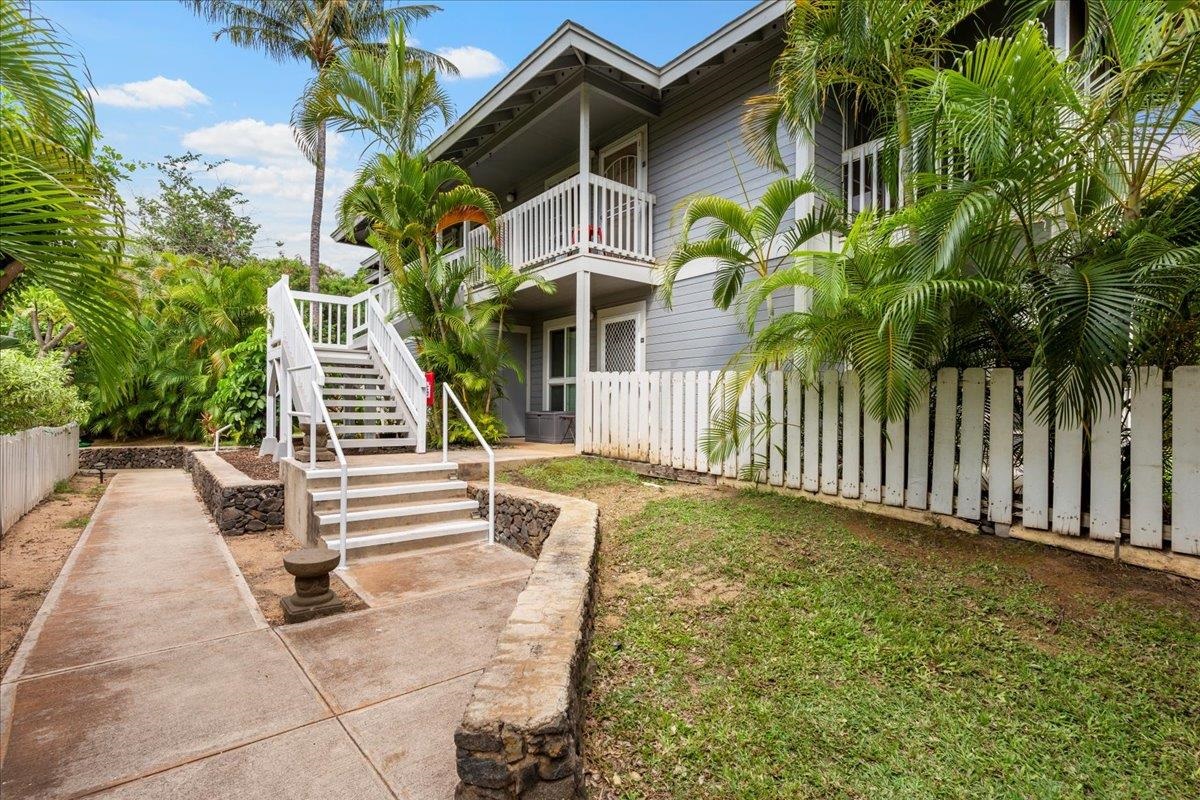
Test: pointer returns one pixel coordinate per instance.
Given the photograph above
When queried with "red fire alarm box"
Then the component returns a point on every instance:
(429, 389)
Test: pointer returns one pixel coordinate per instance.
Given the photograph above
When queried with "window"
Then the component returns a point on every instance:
(620, 332)
(560, 365)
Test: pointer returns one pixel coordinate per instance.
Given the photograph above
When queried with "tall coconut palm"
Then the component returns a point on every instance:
(60, 217)
(390, 96)
(854, 53)
(315, 32)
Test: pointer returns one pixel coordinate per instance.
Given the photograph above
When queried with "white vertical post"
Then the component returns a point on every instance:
(893, 464)
(1035, 455)
(1104, 498)
(1185, 443)
(812, 436)
(585, 167)
(806, 158)
(1068, 476)
(851, 435)
(677, 421)
(703, 386)
(776, 452)
(583, 335)
(944, 419)
(917, 495)
(1146, 459)
(970, 447)
(1000, 446)
(795, 421)
(829, 431)
(689, 420)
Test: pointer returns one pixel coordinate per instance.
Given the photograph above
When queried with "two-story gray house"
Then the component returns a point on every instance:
(591, 150)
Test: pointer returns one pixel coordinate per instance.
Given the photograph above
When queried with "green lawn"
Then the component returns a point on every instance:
(755, 646)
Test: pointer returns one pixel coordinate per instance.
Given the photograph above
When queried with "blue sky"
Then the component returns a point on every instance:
(164, 86)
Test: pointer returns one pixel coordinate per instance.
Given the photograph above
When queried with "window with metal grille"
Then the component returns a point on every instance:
(620, 345)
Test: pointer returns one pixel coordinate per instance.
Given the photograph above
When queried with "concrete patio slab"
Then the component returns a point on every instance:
(271, 769)
(368, 656)
(411, 737)
(86, 729)
(386, 580)
(78, 634)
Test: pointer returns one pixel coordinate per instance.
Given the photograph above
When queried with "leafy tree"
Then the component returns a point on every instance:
(36, 391)
(61, 222)
(189, 219)
(315, 32)
(391, 96)
(240, 398)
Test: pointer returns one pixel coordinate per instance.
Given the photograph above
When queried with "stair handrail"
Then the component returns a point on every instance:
(448, 394)
(401, 367)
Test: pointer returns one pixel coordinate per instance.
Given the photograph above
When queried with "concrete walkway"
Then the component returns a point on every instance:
(150, 672)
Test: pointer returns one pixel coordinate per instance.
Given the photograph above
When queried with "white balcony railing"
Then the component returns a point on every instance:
(863, 185)
(620, 224)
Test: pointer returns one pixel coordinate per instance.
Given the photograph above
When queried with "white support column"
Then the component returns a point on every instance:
(585, 168)
(1062, 28)
(583, 365)
(806, 160)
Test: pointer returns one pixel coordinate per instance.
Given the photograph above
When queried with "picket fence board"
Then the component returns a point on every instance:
(1035, 486)
(1185, 474)
(1145, 456)
(970, 445)
(775, 447)
(760, 427)
(730, 464)
(745, 409)
(677, 401)
(31, 462)
(893, 463)
(945, 418)
(1000, 445)
(1066, 513)
(917, 494)
(851, 435)
(812, 435)
(795, 429)
(702, 419)
(829, 431)
(872, 468)
(1104, 511)
(664, 412)
(655, 421)
(689, 420)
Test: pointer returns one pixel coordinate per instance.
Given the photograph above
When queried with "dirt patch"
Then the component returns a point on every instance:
(260, 558)
(252, 465)
(1073, 581)
(32, 554)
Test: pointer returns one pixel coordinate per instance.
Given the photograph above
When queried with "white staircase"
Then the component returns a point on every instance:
(337, 363)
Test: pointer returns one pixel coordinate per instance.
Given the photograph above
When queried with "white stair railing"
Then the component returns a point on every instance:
(401, 369)
(448, 395)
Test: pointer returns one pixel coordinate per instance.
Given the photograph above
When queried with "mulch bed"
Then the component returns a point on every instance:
(260, 468)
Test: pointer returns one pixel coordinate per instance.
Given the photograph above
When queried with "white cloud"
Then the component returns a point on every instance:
(472, 62)
(158, 92)
(267, 167)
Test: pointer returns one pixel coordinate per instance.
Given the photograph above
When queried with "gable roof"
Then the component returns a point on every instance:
(572, 45)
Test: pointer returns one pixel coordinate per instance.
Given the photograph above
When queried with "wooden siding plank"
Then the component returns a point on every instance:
(1145, 455)
(1000, 445)
(970, 446)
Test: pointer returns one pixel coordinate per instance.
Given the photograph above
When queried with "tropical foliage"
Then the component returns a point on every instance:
(61, 221)
(240, 398)
(36, 391)
(315, 32)
(1049, 218)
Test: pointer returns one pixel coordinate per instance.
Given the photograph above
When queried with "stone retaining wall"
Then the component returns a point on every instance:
(521, 734)
(171, 456)
(237, 504)
(522, 523)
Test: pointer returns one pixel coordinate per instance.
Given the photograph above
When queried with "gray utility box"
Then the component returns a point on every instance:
(550, 426)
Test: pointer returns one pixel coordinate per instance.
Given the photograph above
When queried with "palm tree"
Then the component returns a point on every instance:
(390, 96)
(408, 202)
(60, 217)
(857, 54)
(314, 31)
(751, 239)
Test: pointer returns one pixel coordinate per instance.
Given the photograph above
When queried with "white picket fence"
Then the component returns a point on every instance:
(964, 452)
(31, 462)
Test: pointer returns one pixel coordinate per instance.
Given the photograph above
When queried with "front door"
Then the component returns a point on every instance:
(512, 405)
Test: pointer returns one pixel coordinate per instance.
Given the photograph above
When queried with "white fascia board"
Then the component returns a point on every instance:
(568, 36)
(727, 36)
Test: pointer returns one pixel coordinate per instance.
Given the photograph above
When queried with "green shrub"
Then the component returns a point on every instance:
(490, 425)
(240, 399)
(34, 391)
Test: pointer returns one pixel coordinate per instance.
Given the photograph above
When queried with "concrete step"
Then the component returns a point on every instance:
(391, 489)
(369, 416)
(439, 533)
(395, 512)
(359, 429)
(367, 443)
(330, 477)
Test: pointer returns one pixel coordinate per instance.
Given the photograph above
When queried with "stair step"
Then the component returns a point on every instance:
(388, 469)
(414, 533)
(381, 392)
(389, 490)
(351, 369)
(343, 356)
(399, 512)
(370, 429)
(373, 416)
(398, 441)
(350, 402)
(343, 380)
